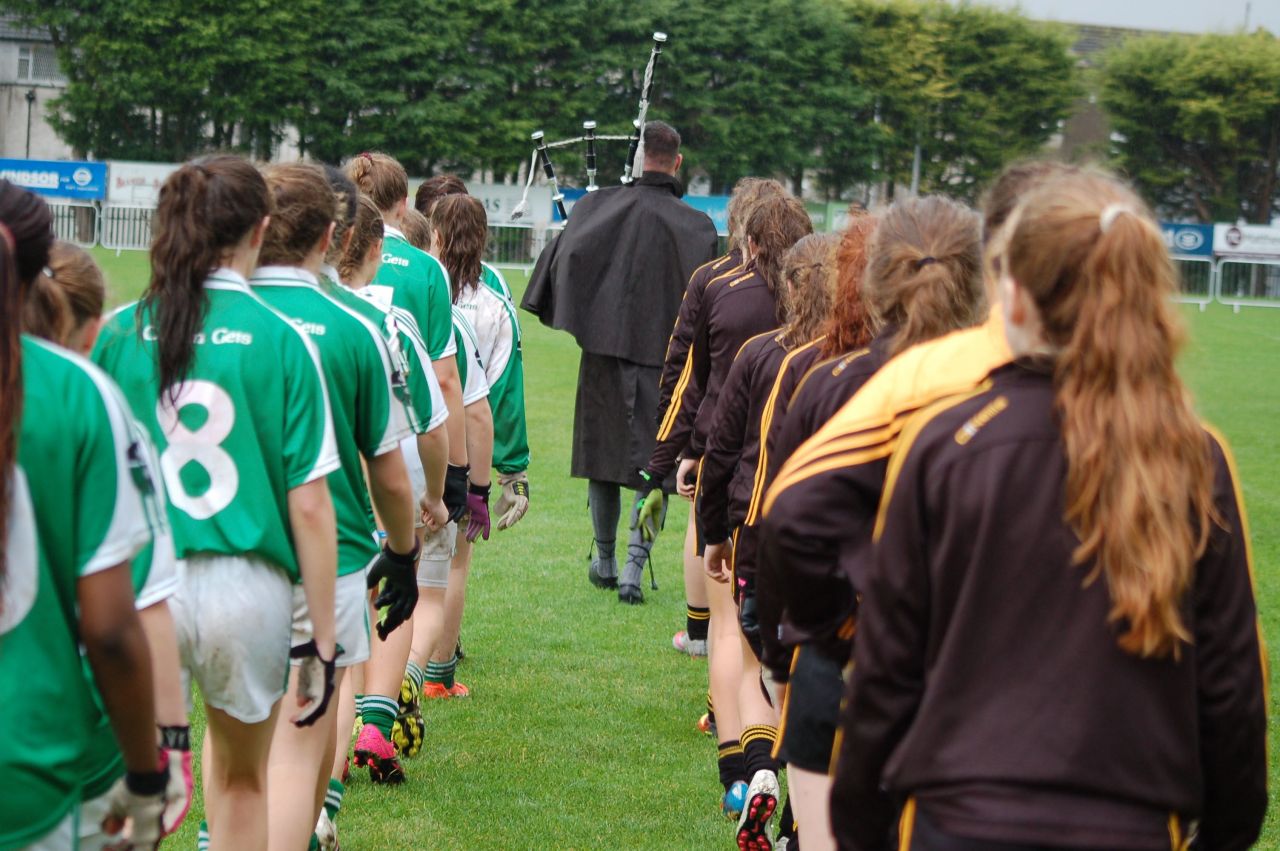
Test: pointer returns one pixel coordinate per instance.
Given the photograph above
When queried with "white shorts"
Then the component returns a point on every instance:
(92, 836)
(61, 837)
(162, 577)
(350, 618)
(437, 553)
(417, 476)
(233, 615)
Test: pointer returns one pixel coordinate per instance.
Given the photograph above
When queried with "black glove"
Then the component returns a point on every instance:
(315, 681)
(398, 592)
(455, 491)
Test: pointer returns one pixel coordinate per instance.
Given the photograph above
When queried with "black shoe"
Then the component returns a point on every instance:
(606, 581)
(629, 585)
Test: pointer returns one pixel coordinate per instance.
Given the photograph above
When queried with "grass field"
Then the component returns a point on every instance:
(580, 732)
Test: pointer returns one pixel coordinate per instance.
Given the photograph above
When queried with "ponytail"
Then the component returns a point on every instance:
(68, 294)
(849, 326)
(26, 234)
(1139, 474)
(47, 311)
(464, 232)
(776, 224)
(206, 208)
(366, 231)
(924, 272)
(380, 177)
(807, 270)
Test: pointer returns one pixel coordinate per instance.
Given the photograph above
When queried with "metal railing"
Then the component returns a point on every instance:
(126, 227)
(76, 222)
(512, 245)
(1197, 277)
(1248, 283)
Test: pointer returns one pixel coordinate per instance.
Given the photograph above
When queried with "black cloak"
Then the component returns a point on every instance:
(614, 280)
(615, 276)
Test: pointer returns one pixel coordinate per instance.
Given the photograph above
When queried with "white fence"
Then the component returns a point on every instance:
(126, 227)
(76, 222)
(1249, 283)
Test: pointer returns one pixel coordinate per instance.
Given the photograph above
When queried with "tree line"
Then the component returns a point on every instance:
(843, 92)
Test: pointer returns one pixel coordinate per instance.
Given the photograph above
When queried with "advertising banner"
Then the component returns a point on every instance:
(715, 206)
(1188, 240)
(83, 181)
(1246, 240)
(137, 184)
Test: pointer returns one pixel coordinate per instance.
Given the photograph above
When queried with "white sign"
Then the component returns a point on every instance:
(136, 184)
(1247, 240)
(500, 199)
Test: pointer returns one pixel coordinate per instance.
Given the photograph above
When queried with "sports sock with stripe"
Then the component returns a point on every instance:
(757, 748)
(733, 767)
(697, 621)
(442, 672)
(380, 712)
(333, 797)
(415, 672)
(202, 837)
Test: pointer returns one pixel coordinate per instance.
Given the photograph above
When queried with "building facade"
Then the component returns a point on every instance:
(29, 79)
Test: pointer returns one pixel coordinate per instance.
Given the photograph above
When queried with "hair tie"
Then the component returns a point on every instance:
(1111, 212)
(368, 156)
(48, 273)
(925, 261)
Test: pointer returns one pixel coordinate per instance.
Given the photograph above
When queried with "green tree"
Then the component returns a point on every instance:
(1197, 122)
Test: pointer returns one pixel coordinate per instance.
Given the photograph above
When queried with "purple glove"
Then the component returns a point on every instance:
(478, 508)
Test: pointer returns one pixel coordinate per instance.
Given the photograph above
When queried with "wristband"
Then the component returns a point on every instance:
(175, 738)
(146, 783)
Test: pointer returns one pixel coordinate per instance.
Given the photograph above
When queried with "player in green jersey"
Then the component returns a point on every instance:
(429, 193)
(414, 281)
(369, 420)
(234, 398)
(67, 298)
(75, 507)
(460, 230)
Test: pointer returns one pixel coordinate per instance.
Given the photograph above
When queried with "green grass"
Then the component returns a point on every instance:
(580, 733)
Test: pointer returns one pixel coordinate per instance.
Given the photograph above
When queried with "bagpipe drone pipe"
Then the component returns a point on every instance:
(541, 158)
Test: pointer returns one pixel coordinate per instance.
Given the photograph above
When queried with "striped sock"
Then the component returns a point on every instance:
(333, 798)
(731, 763)
(202, 837)
(414, 672)
(380, 712)
(757, 748)
(442, 672)
(359, 705)
(697, 621)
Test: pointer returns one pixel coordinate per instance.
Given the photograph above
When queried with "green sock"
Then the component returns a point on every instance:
(314, 844)
(442, 672)
(359, 705)
(380, 712)
(202, 837)
(415, 673)
(333, 798)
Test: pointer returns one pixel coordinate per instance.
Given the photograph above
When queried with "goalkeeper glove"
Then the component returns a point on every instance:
(514, 500)
(455, 490)
(175, 747)
(399, 589)
(315, 681)
(137, 803)
(478, 508)
(647, 515)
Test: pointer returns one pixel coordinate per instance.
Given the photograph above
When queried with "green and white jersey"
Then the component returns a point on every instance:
(369, 416)
(475, 386)
(415, 281)
(493, 279)
(498, 336)
(80, 502)
(249, 423)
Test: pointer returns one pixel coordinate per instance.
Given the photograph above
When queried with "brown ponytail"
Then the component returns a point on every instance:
(464, 232)
(747, 194)
(1139, 477)
(26, 234)
(347, 196)
(776, 224)
(807, 271)
(303, 207)
(59, 306)
(366, 230)
(380, 177)
(924, 270)
(206, 208)
(849, 326)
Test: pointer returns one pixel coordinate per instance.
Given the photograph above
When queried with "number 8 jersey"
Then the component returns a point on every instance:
(250, 422)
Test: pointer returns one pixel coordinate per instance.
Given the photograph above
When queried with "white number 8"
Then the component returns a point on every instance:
(201, 446)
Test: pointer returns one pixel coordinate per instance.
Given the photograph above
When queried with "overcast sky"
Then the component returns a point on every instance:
(1179, 15)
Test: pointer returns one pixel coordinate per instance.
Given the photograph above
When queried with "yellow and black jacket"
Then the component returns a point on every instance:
(988, 686)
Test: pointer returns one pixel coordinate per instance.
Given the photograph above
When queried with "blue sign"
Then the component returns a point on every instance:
(58, 179)
(715, 206)
(1188, 240)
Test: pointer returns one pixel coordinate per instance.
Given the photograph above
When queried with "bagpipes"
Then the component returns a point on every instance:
(635, 148)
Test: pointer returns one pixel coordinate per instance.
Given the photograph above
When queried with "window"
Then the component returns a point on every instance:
(38, 63)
